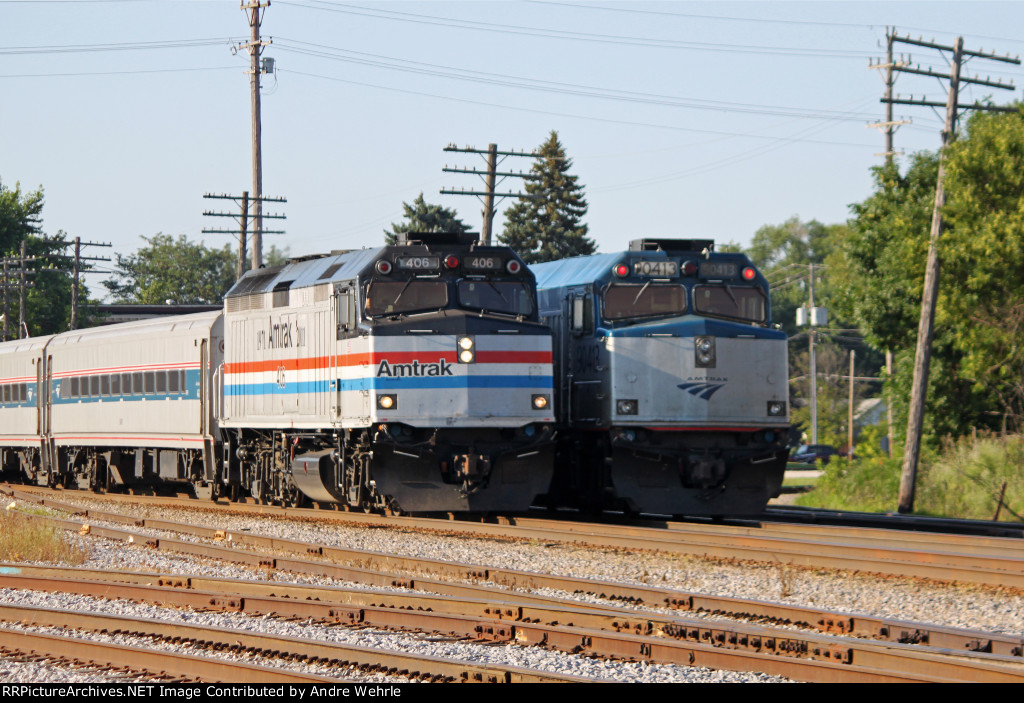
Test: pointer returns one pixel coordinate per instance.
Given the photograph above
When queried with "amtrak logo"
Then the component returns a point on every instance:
(702, 390)
(442, 368)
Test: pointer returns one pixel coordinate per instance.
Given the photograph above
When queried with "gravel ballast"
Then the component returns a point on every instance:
(952, 605)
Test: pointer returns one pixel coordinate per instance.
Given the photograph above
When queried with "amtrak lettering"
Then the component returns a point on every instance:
(442, 368)
(280, 335)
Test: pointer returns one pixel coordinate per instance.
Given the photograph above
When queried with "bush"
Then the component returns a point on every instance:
(964, 480)
(967, 479)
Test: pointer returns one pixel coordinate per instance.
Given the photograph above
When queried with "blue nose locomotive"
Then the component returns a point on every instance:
(671, 387)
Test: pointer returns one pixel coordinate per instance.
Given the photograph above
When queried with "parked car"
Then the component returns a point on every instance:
(810, 453)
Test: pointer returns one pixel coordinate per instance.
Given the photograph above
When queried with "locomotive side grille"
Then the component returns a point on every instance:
(240, 303)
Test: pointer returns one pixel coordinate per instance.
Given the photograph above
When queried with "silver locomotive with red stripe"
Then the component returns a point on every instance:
(413, 377)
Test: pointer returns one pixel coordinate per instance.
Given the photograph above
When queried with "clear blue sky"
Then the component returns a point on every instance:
(688, 119)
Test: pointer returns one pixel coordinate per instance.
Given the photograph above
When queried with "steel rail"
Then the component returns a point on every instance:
(412, 666)
(652, 533)
(609, 633)
(140, 659)
(375, 569)
(484, 602)
(1001, 565)
(753, 648)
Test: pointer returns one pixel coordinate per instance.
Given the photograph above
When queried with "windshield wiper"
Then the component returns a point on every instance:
(728, 289)
(642, 289)
(497, 290)
(402, 292)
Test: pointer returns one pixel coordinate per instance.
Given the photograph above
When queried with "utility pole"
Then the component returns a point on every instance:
(926, 326)
(254, 13)
(849, 440)
(490, 183)
(243, 223)
(889, 125)
(22, 287)
(814, 366)
(16, 275)
(77, 270)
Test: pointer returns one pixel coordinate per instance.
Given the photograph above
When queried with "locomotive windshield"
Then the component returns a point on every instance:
(624, 301)
(512, 298)
(399, 297)
(733, 302)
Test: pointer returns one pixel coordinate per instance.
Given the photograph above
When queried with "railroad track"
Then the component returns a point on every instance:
(600, 630)
(983, 560)
(193, 665)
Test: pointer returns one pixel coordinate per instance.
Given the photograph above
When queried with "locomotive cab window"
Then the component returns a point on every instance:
(623, 301)
(732, 302)
(398, 297)
(513, 298)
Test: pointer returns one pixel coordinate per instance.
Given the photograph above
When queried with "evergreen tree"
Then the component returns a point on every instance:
(421, 216)
(547, 225)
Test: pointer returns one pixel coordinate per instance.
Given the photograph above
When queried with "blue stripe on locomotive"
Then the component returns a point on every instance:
(390, 384)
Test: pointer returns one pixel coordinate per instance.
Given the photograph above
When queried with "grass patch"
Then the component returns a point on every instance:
(800, 481)
(964, 480)
(25, 539)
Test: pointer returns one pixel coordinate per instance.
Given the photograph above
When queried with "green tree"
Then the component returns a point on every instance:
(785, 254)
(974, 380)
(276, 257)
(48, 303)
(177, 270)
(422, 216)
(548, 223)
(20, 216)
(48, 299)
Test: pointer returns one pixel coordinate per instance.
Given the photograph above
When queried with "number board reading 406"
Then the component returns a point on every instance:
(419, 263)
(484, 263)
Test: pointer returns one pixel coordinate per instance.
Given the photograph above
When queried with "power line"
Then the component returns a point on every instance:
(688, 15)
(593, 118)
(116, 73)
(525, 83)
(560, 34)
(120, 46)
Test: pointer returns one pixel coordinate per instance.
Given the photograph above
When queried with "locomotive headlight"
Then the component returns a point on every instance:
(776, 408)
(540, 401)
(704, 352)
(387, 401)
(466, 350)
(626, 407)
